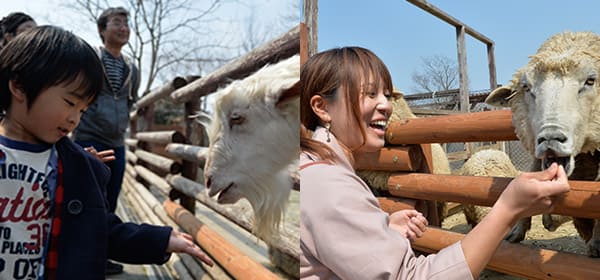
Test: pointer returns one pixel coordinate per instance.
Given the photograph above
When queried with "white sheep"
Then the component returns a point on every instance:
(556, 113)
(253, 140)
(488, 162)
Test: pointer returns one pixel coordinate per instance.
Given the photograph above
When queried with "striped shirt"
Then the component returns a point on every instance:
(115, 70)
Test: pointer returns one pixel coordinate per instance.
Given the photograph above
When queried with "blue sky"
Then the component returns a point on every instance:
(401, 33)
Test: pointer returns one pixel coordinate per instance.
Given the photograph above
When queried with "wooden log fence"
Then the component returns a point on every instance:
(131, 142)
(390, 159)
(196, 268)
(285, 243)
(196, 191)
(238, 264)
(163, 164)
(161, 137)
(473, 127)
(582, 201)
(283, 47)
(519, 260)
(188, 152)
(408, 188)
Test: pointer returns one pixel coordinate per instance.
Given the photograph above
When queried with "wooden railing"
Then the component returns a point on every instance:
(406, 157)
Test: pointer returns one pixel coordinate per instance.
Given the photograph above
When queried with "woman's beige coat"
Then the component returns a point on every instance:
(345, 235)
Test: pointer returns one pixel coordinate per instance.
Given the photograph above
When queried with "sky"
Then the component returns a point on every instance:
(401, 34)
(233, 12)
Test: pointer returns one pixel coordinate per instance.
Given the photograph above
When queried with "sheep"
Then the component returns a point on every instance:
(377, 180)
(253, 140)
(486, 162)
(555, 106)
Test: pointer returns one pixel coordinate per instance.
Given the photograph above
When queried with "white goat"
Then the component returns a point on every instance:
(254, 137)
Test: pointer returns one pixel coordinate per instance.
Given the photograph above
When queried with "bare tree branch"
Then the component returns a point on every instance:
(439, 73)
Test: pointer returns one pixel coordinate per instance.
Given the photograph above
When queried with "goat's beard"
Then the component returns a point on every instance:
(269, 197)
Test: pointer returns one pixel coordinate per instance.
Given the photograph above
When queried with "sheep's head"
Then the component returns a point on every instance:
(554, 99)
(253, 139)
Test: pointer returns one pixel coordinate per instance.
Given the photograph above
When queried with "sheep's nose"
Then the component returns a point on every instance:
(551, 136)
(207, 181)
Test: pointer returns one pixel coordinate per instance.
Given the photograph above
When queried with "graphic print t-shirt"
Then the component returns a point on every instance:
(24, 208)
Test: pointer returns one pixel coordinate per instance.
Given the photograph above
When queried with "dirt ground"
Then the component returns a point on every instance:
(564, 239)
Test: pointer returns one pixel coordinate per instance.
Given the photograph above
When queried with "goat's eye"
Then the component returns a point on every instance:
(590, 81)
(236, 119)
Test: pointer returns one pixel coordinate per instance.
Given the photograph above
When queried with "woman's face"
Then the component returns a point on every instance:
(375, 109)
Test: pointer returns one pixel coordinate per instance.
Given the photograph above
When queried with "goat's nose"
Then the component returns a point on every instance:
(551, 136)
(207, 181)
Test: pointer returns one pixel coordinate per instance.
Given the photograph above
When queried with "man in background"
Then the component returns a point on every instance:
(104, 123)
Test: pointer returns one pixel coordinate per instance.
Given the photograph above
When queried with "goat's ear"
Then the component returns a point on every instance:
(288, 95)
(500, 96)
(203, 118)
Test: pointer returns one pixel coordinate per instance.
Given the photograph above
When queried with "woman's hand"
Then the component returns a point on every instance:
(533, 193)
(410, 223)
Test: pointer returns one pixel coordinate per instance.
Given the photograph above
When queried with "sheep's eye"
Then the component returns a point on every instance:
(590, 81)
(236, 119)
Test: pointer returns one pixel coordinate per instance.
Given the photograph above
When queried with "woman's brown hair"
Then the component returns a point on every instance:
(339, 70)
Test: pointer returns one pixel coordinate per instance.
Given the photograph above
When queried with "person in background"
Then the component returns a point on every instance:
(13, 24)
(344, 234)
(104, 124)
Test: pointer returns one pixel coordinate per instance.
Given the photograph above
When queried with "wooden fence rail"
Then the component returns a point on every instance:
(582, 201)
(471, 127)
(237, 264)
(283, 47)
(519, 260)
(188, 152)
(407, 158)
(165, 165)
(161, 137)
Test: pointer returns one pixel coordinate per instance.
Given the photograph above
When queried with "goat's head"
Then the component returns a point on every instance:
(253, 139)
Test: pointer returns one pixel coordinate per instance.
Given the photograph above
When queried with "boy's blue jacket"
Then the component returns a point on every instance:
(89, 234)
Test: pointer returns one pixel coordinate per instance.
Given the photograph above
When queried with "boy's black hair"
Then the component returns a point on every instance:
(105, 16)
(46, 56)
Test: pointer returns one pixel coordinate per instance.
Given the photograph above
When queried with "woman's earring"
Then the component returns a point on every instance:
(327, 127)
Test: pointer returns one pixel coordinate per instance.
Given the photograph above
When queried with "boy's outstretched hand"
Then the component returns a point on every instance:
(181, 242)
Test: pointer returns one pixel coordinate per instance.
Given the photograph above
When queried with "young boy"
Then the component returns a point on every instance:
(53, 218)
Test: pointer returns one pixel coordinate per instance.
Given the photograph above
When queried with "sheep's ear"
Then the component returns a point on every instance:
(288, 95)
(500, 96)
